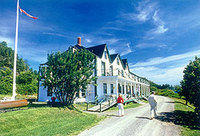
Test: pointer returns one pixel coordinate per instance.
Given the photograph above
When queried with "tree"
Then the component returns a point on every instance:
(6, 80)
(191, 83)
(26, 78)
(178, 90)
(68, 72)
(27, 83)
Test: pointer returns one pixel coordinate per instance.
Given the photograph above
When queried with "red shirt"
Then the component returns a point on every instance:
(120, 100)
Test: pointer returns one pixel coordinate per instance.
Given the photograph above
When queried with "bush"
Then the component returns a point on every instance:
(168, 93)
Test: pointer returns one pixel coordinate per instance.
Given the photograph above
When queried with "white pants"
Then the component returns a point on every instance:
(153, 109)
(121, 109)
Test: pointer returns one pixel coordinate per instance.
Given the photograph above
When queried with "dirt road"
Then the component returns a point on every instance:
(136, 122)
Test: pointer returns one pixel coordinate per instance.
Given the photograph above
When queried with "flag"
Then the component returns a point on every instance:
(27, 13)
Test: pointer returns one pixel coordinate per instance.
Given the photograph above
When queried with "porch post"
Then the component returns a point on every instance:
(116, 87)
(131, 90)
(125, 87)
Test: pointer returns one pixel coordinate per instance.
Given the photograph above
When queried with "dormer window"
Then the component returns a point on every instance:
(122, 73)
(111, 70)
(118, 72)
(105, 54)
(117, 61)
(103, 68)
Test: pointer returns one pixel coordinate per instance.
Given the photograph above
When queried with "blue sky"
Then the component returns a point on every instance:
(158, 37)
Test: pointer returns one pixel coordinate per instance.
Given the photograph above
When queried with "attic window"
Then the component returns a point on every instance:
(105, 54)
(117, 61)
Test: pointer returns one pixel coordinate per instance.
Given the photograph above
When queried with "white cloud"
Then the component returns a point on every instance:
(160, 60)
(88, 40)
(164, 70)
(10, 41)
(159, 23)
(111, 40)
(54, 34)
(148, 45)
(160, 29)
(145, 10)
(127, 50)
(168, 75)
(112, 51)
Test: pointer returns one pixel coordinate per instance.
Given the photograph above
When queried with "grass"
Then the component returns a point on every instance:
(127, 106)
(83, 106)
(45, 121)
(186, 117)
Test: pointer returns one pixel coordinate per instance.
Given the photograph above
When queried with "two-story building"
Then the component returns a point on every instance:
(113, 77)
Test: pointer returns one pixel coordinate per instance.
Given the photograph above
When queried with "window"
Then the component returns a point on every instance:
(103, 69)
(111, 71)
(117, 61)
(105, 54)
(104, 88)
(122, 73)
(118, 72)
(111, 88)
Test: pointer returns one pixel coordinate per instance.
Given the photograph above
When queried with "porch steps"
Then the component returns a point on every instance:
(145, 98)
(131, 100)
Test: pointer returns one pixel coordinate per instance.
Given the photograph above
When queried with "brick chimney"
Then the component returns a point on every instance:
(79, 41)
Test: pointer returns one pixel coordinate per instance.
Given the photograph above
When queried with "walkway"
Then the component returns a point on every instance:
(136, 122)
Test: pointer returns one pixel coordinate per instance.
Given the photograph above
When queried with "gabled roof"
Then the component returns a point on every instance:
(97, 50)
(125, 62)
(79, 47)
(113, 56)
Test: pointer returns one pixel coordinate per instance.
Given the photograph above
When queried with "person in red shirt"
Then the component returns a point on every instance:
(120, 102)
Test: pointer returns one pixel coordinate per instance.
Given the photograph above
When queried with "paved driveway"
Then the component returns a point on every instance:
(136, 122)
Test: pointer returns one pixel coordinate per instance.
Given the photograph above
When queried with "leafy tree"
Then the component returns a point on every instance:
(68, 72)
(7, 58)
(26, 78)
(178, 89)
(27, 83)
(6, 80)
(191, 83)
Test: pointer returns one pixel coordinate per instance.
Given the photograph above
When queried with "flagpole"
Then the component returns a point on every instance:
(15, 54)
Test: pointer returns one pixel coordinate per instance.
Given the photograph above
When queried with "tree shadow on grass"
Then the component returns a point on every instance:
(183, 118)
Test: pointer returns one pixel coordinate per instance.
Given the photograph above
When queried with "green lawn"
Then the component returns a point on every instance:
(83, 106)
(185, 116)
(45, 121)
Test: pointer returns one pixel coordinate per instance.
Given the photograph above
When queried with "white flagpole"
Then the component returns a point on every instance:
(15, 55)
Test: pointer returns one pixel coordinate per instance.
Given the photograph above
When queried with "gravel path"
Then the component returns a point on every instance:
(136, 122)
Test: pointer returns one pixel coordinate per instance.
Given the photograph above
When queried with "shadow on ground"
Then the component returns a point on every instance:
(112, 115)
(183, 118)
(143, 118)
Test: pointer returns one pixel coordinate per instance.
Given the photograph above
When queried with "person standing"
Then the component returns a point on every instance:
(153, 105)
(120, 102)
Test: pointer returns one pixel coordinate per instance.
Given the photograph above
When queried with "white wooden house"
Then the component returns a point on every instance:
(113, 77)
